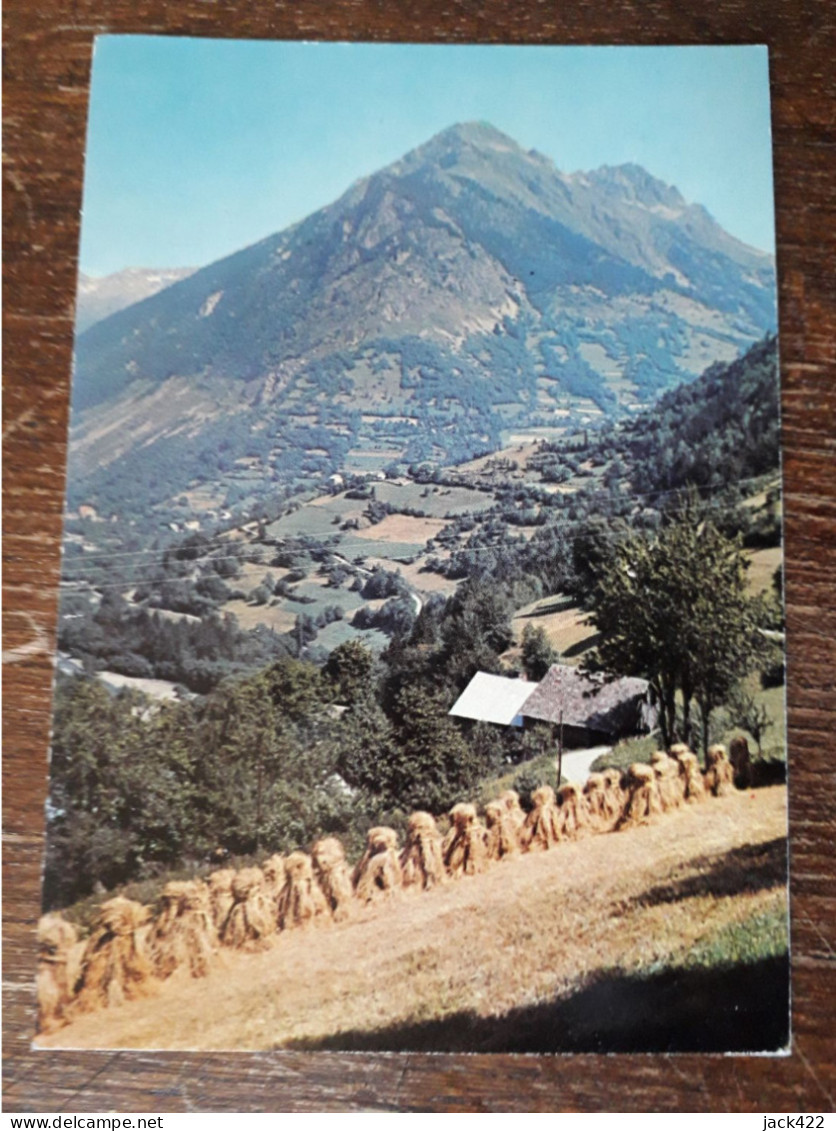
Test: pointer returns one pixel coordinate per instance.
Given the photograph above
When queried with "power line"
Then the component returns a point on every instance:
(159, 554)
(572, 526)
(81, 583)
(161, 551)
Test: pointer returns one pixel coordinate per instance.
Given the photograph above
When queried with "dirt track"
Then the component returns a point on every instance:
(530, 930)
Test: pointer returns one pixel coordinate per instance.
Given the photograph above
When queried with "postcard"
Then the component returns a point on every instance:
(420, 659)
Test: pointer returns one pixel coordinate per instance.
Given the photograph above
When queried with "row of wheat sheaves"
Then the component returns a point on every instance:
(131, 949)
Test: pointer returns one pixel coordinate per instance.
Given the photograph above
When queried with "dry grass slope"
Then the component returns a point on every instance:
(537, 929)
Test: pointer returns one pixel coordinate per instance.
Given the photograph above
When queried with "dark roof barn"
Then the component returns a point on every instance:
(604, 705)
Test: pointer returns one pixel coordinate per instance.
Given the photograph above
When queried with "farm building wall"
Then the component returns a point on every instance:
(574, 737)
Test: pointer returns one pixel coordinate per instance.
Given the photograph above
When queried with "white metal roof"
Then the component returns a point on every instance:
(493, 699)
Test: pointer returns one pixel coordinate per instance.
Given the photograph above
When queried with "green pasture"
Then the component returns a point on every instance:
(434, 500)
(340, 632)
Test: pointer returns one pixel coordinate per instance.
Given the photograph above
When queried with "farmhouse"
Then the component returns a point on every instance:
(593, 708)
(493, 699)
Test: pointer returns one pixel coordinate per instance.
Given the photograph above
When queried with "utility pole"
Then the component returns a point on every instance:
(259, 787)
(560, 749)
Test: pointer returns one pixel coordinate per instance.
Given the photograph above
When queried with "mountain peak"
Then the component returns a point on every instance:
(475, 133)
(461, 138)
(470, 273)
(633, 182)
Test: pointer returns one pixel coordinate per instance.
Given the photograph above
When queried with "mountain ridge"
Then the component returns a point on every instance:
(99, 296)
(465, 286)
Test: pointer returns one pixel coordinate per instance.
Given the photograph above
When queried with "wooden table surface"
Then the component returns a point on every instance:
(46, 72)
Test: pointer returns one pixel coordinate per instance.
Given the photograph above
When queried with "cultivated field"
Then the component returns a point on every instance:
(401, 528)
(563, 623)
(318, 595)
(280, 619)
(762, 566)
(667, 936)
(156, 688)
(435, 501)
(319, 518)
(251, 575)
(357, 547)
(424, 581)
(340, 632)
(519, 453)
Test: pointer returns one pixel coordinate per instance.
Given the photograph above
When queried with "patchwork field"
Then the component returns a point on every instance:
(399, 542)
(402, 528)
(424, 581)
(356, 546)
(435, 501)
(250, 616)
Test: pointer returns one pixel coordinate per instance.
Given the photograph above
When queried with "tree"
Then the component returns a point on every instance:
(476, 629)
(433, 766)
(350, 668)
(537, 653)
(745, 712)
(367, 751)
(674, 610)
(267, 754)
(304, 630)
(592, 552)
(722, 643)
(122, 790)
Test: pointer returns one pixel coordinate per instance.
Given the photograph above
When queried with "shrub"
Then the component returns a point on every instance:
(525, 783)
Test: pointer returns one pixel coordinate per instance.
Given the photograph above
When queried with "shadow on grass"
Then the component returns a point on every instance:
(584, 645)
(555, 605)
(735, 1009)
(766, 772)
(752, 867)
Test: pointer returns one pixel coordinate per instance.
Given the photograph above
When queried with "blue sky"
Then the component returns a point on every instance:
(198, 147)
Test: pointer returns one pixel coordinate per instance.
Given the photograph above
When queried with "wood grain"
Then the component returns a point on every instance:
(47, 62)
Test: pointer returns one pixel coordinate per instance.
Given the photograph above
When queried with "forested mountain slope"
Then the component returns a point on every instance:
(469, 288)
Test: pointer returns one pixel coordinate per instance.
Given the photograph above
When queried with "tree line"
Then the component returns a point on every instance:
(270, 760)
